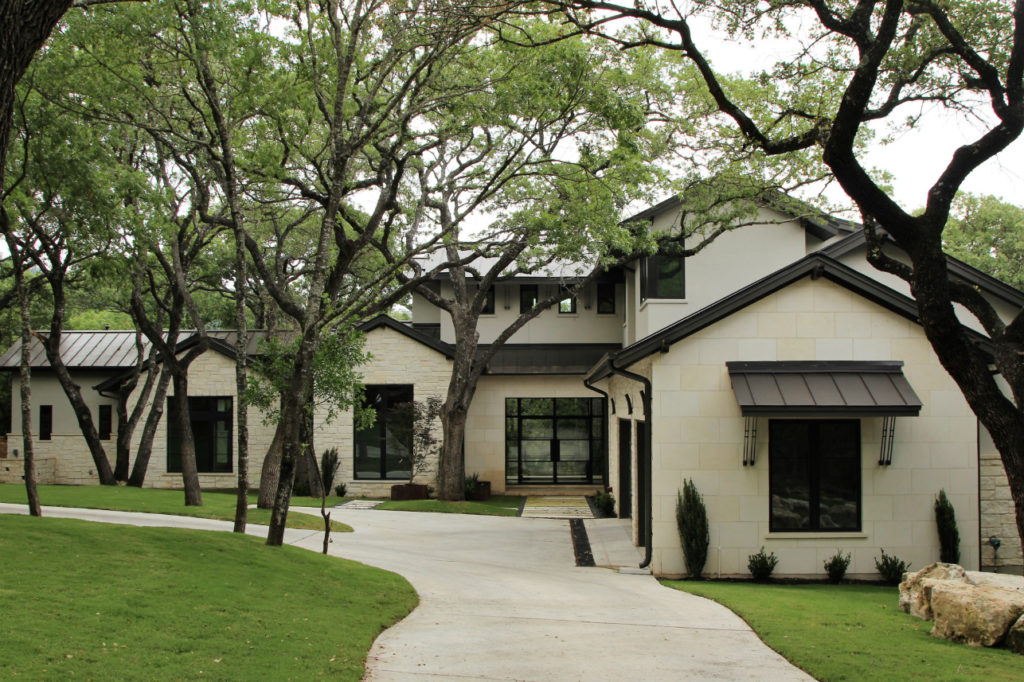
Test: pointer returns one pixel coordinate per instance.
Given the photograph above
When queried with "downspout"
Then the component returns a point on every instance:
(646, 454)
(604, 434)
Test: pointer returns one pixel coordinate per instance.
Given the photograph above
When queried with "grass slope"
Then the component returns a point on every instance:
(853, 632)
(497, 505)
(99, 601)
(216, 504)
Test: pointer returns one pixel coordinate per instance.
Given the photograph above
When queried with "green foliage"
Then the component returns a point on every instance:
(184, 604)
(329, 467)
(692, 522)
(761, 565)
(949, 536)
(836, 565)
(853, 632)
(891, 568)
(421, 417)
(472, 481)
(340, 490)
(605, 503)
(989, 234)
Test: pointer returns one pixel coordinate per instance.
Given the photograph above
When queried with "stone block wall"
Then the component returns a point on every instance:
(997, 513)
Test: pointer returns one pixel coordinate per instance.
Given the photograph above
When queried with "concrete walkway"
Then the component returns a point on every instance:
(502, 599)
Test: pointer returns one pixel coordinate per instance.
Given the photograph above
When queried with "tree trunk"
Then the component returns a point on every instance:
(271, 472)
(156, 412)
(183, 423)
(307, 469)
(451, 472)
(25, 376)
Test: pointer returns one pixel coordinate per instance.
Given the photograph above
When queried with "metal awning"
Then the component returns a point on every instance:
(823, 389)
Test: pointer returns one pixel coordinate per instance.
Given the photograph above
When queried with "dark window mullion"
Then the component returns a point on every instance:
(814, 474)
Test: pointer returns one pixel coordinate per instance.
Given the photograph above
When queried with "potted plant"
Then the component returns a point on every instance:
(477, 490)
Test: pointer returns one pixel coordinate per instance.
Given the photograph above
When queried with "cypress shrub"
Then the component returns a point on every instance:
(692, 519)
(328, 467)
(949, 537)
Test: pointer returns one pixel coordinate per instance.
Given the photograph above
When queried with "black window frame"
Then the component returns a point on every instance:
(392, 398)
(529, 296)
(652, 271)
(488, 308)
(605, 296)
(520, 410)
(572, 306)
(45, 422)
(814, 467)
(106, 421)
(200, 414)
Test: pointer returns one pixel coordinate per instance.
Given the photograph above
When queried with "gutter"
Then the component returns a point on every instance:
(646, 454)
(607, 417)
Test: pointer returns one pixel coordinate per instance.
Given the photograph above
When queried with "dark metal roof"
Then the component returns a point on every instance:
(547, 358)
(816, 265)
(823, 389)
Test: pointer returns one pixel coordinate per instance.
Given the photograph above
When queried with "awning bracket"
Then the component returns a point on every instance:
(749, 440)
(888, 433)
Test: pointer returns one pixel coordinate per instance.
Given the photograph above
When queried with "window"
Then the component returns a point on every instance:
(45, 422)
(605, 298)
(211, 432)
(814, 475)
(106, 421)
(384, 449)
(488, 308)
(554, 440)
(662, 277)
(527, 297)
(567, 306)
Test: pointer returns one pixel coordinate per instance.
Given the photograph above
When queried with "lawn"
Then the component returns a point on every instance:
(853, 632)
(497, 505)
(99, 601)
(216, 504)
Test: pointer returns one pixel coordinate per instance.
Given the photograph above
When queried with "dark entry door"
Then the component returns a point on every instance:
(642, 507)
(625, 488)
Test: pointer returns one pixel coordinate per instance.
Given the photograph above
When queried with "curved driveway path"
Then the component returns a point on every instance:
(502, 599)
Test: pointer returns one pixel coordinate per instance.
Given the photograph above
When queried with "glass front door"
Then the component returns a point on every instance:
(554, 440)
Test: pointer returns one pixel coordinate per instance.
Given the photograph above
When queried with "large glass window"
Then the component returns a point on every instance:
(211, 431)
(814, 475)
(662, 277)
(554, 440)
(384, 450)
(605, 298)
(488, 308)
(527, 297)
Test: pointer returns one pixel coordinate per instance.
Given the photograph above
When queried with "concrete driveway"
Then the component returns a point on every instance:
(502, 599)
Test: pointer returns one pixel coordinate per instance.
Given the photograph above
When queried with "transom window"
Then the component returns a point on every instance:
(384, 449)
(662, 277)
(814, 475)
(211, 430)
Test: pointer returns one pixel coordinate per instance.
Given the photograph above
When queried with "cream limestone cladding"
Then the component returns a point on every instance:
(396, 359)
(698, 433)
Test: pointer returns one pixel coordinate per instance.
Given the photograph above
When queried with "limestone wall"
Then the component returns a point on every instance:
(699, 434)
(997, 513)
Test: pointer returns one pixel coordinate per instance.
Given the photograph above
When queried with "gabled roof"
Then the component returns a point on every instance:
(383, 321)
(957, 269)
(817, 223)
(816, 265)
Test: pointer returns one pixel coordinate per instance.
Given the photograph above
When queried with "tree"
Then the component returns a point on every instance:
(988, 234)
(857, 66)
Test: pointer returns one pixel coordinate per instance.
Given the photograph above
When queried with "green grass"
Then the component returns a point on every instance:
(99, 601)
(216, 504)
(853, 632)
(498, 505)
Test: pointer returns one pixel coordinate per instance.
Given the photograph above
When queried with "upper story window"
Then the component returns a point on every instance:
(527, 297)
(106, 421)
(605, 298)
(662, 277)
(45, 422)
(567, 306)
(488, 308)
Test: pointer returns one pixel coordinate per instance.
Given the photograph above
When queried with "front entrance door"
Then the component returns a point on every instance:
(554, 440)
(625, 488)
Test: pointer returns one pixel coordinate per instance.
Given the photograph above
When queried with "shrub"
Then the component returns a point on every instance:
(761, 565)
(605, 503)
(692, 520)
(471, 484)
(329, 467)
(836, 566)
(891, 568)
(340, 490)
(300, 488)
(949, 537)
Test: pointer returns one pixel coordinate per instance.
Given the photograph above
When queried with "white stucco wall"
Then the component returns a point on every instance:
(698, 434)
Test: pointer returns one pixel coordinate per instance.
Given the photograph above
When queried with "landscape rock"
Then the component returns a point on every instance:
(1015, 637)
(978, 615)
(916, 587)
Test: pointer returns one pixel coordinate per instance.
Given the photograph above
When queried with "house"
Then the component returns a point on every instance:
(776, 369)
